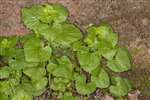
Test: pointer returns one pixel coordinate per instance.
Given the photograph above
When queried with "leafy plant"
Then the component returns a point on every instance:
(57, 57)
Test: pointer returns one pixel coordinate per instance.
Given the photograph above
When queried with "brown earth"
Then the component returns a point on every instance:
(129, 18)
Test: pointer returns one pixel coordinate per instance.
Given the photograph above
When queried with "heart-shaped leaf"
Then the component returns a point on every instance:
(88, 61)
(35, 73)
(121, 62)
(101, 78)
(83, 87)
(35, 52)
(120, 87)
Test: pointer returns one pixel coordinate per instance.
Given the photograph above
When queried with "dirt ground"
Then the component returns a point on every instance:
(129, 18)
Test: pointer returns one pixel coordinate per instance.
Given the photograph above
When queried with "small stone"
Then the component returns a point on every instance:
(134, 95)
(145, 21)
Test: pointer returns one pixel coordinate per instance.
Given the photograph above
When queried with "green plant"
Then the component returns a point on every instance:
(59, 58)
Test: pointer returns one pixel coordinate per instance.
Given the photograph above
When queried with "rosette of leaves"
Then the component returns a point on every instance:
(101, 42)
(57, 57)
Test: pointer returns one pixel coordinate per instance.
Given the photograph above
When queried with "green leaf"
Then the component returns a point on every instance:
(66, 33)
(8, 42)
(103, 39)
(35, 16)
(33, 87)
(102, 79)
(3, 96)
(4, 86)
(65, 62)
(62, 13)
(120, 87)
(47, 14)
(7, 46)
(108, 36)
(61, 33)
(4, 72)
(21, 64)
(35, 51)
(83, 87)
(103, 30)
(39, 85)
(91, 38)
(35, 73)
(51, 67)
(105, 49)
(121, 62)
(113, 39)
(18, 54)
(62, 72)
(24, 38)
(59, 84)
(78, 46)
(21, 95)
(58, 87)
(12, 53)
(26, 86)
(56, 13)
(46, 31)
(64, 69)
(8, 86)
(88, 61)
(30, 16)
(15, 77)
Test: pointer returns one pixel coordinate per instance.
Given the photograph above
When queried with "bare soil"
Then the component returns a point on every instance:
(129, 18)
